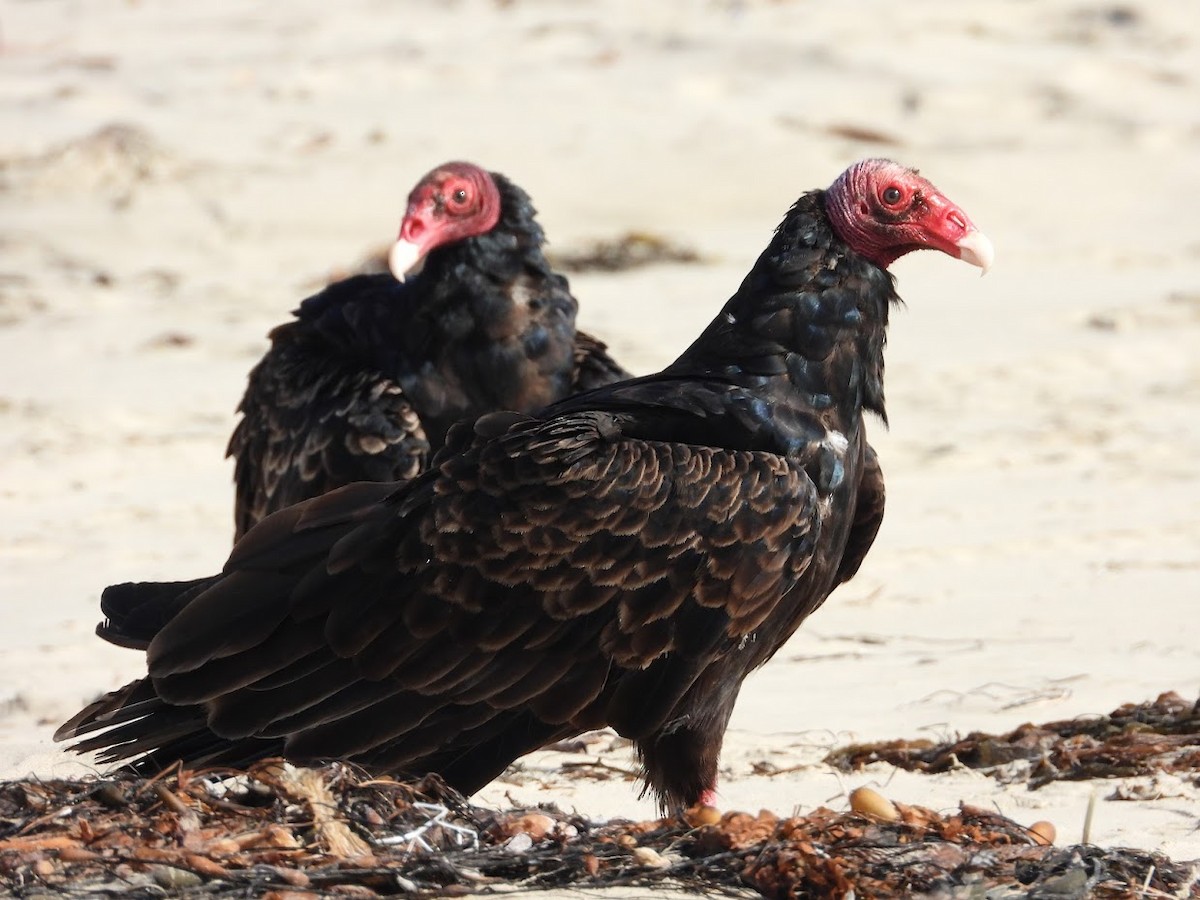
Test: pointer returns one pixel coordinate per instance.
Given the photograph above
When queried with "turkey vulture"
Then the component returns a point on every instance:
(363, 384)
(623, 558)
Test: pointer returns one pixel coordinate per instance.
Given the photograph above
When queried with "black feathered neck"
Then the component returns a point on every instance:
(812, 312)
(460, 295)
(487, 324)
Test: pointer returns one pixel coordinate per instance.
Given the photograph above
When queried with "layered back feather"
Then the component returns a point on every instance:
(363, 384)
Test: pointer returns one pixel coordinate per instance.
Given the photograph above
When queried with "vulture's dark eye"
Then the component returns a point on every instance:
(892, 195)
(460, 196)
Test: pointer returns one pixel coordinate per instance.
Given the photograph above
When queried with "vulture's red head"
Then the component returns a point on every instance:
(453, 202)
(883, 210)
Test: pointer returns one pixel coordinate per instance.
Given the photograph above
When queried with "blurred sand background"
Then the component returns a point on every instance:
(174, 178)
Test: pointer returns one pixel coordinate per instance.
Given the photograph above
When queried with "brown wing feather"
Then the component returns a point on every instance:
(868, 516)
(472, 603)
(310, 425)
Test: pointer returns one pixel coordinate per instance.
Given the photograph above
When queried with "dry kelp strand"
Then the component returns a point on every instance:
(280, 831)
(1142, 739)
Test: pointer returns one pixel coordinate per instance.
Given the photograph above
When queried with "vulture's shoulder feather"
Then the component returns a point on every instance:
(868, 516)
(594, 367)
(314, 419)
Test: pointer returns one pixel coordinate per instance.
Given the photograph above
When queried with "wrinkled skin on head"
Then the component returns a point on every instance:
(455, 201)
(884, 210)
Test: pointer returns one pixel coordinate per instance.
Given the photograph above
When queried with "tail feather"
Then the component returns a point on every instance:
(215, 638)
(135, 612)
(131, 739)
(133, 701)
(197, 750)
(133, 726)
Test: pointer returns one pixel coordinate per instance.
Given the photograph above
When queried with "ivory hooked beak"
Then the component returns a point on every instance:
(403, 258)
(976, 249)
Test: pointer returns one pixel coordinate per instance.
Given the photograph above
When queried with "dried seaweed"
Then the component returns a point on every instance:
(278, 831)
(630, 250)
(1135, 739)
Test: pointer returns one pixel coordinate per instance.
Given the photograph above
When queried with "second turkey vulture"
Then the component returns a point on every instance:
(624, 558)
(364, 382)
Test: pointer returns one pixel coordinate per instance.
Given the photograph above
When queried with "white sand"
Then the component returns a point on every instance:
(1041, 555)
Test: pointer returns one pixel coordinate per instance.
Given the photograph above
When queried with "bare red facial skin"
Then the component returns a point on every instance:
(454, 202)
(883, 210)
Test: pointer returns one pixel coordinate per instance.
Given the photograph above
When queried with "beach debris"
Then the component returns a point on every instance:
(1043, 832)
(1139, 739)
(630, 250)
(331, 832)
(602, 739)
(438, 821)
(702, 815)
(266, 832)
(850, 131)
(170, 340)
(873, 805)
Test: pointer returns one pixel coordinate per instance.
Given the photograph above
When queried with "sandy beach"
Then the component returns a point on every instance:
(175, 178)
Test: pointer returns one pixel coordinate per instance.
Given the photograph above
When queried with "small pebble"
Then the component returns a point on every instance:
(44, 868)
(702, 815)
(873, 805)
(174, 879)
(293, 877)
(1043, 832)
(536, 825)
(518, 843)
(223, 847)
(648, 856)
(110, 795)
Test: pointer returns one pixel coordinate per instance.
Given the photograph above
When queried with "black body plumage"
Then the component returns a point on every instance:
(624, 557)
(364, 383)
